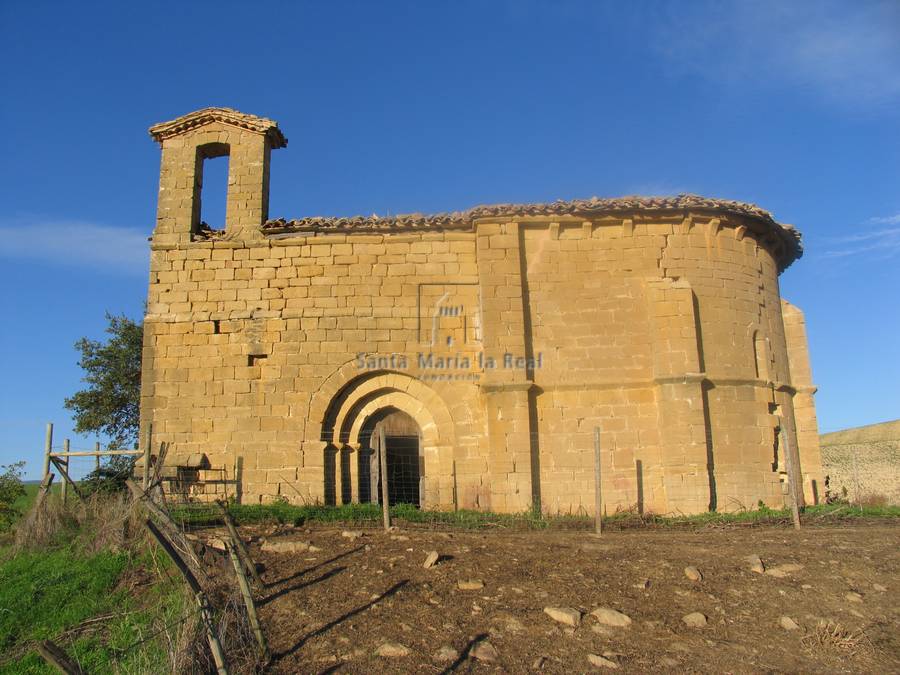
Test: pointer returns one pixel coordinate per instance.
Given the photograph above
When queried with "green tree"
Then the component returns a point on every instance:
(110, 405)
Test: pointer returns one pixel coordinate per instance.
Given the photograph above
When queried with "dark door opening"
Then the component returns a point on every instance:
(404, 463)
(403, 469)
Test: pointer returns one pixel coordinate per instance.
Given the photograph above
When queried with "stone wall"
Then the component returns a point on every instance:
(507, 337)
(863, 463)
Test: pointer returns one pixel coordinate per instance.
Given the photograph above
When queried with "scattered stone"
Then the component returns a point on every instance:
(756, 564)
(695, 620)
(853, 597)
(564, 615)
(470, 585)
(785, 570)
(446, 654)
(392, 650)
(693, 573)
(538, 663)
(352, 534)
(600, 629)
(399, 537)
(879, 588)
(602, 662)
(611, 617)
(643, 585)
(430, 560)
(788, 623)
(667, 662)
(484, 651)
(285, 546)
(216, 543)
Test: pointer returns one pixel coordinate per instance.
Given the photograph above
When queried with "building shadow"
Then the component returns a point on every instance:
(705, 387)
(393, 590)
(464, 654)
(296, 587)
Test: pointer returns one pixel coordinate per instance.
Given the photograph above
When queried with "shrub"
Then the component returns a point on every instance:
(11, 489)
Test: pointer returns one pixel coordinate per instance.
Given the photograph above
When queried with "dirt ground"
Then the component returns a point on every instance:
(329, 610)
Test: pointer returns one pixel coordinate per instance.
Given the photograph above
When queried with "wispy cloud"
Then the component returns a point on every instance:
(847, 52)
(881, 243)
(75, 243)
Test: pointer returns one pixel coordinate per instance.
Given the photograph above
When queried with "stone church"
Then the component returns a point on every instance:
(481, 349)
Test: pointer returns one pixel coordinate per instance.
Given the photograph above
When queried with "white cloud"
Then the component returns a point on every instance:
(74, 243)
(881, 243)
(843, 51)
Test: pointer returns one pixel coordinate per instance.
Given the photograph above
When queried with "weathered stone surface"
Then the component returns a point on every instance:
(446, 654)
(431, 560)
(853, 597)
(352, 534)
(788, 623)
(392, 650)
(602, 662)
(484, 651)
(470, 585)
(611, 617)
(565, 615)
(286, 546)
(693, 573)
(879, 588)
(785, 570)
(695, 619)
(756, 564)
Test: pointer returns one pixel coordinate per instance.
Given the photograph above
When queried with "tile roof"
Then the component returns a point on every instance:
(786, 234)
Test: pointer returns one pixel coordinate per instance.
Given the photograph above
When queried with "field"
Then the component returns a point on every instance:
(330, 607)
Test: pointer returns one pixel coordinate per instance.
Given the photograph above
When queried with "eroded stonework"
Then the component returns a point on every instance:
(504, 334)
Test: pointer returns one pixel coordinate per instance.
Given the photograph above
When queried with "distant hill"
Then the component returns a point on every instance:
(863, 463)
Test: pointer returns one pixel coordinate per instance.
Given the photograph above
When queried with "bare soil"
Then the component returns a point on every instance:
(330, 610)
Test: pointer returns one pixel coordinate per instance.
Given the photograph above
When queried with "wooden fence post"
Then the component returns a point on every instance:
(205, 612)
(97, 457)
(67, 479)
(63, 466)
(48, 448)
(789, 469)
(147, 448)
(244, 586)
(56, 657)
(598, 496)
(382, 459)
(239, 545)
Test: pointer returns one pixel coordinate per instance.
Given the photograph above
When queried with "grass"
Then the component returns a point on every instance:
(80, 598)
(370, 514)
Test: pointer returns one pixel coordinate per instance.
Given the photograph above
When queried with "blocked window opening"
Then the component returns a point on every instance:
(211, 188)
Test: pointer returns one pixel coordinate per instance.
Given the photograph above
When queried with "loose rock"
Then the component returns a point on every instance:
(853, 597)
(446, 654)
(611, 617)
(788, 623)
(693, 573)
(470, 585)
(602, 662)
(392, 650)
(430, 560)
(285, 546)
(352, 534)
(484, 651)
(564, 615)
(695, 620)
(781, 571)
(756, 564)
(879, 588)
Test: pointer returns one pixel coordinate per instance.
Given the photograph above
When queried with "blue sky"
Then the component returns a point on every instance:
(395, 107)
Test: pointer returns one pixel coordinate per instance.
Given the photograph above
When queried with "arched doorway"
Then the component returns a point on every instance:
(402, 440)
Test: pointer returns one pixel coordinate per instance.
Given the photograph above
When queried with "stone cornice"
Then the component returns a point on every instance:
(198, 118)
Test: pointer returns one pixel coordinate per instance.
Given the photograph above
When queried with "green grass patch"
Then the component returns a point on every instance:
(46, 595)
(370, 515)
